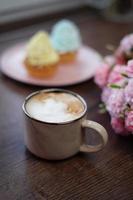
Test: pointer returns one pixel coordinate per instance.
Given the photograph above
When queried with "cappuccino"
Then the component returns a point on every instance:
(54, 107)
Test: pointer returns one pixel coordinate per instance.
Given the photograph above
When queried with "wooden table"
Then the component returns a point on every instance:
(107, 174)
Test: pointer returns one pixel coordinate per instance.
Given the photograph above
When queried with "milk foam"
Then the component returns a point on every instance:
(52, 109)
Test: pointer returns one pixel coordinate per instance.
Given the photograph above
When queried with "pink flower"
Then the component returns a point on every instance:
(116, 80)
(102, 74)
(110, 60)
(129, 121)
(129, 68)
(120, 58)
(118, 126)
(115, 74)
(106, 94)
(129, 92)
(126, 43)
(116, 103)
(124, 51)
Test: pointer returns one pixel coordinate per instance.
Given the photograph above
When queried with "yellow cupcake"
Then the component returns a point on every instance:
(41, 59)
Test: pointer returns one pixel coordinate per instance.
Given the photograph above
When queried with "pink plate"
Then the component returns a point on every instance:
(82, 69)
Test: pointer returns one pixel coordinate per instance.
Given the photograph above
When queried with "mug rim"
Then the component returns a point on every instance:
(54, 90)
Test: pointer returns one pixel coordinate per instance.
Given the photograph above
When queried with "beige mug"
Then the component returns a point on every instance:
(56, 141)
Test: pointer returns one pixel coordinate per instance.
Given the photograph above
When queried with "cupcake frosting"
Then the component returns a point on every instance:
(65, 36)
(40, 51)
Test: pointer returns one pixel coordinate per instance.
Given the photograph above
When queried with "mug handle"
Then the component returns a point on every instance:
(101, 131)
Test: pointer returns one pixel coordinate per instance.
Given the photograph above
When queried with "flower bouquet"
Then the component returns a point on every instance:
(115, 78)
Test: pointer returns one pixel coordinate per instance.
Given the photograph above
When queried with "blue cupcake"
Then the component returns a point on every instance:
(66, 39)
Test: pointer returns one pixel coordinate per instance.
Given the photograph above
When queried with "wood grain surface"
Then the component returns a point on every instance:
(106, 175)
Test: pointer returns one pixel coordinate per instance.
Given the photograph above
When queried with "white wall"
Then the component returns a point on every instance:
(11, 10)
(14, 4)
(98, 3)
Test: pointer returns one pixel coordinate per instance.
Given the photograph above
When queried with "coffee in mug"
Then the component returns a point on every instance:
(55, 107)
(55, 122)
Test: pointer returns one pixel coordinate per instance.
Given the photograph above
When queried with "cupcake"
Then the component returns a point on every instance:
(125, 49)
(66, 40)
(41, 58)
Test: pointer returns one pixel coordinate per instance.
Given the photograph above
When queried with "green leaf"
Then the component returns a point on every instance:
(114, 86)
(125, 75)
(102, 108)
(110, 47)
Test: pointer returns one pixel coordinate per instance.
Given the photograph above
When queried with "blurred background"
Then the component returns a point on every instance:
(18, 10)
